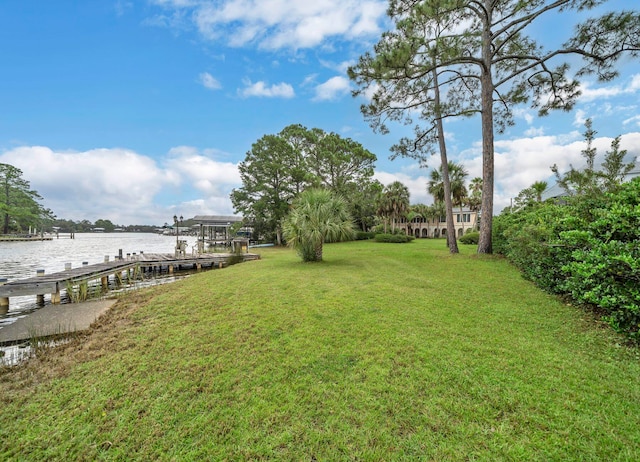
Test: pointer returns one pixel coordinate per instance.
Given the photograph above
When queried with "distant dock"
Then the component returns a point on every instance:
(54, 283)
(10, 238)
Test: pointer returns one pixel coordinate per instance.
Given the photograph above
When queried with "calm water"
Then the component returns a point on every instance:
(20, 260)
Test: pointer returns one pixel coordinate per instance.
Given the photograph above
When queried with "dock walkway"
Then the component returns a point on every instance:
(53, 283)
(55, 320)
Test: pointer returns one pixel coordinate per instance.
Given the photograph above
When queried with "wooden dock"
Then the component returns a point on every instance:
(10, 238)
(139, 264)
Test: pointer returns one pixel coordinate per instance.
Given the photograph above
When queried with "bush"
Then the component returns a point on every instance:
(605, 267)
(364, 235)
(470, 238)
(394, 238)
(530, 240)
(588, 249)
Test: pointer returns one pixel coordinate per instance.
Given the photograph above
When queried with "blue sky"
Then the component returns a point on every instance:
(137, 110)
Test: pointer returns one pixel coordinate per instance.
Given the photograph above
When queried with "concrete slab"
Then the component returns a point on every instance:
(55, 319)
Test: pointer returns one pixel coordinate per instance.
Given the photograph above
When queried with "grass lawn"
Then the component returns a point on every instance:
(381, 352)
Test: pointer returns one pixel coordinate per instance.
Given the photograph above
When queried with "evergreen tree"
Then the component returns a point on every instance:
(19, 206)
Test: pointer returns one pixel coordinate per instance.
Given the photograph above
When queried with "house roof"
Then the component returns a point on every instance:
(556, 191)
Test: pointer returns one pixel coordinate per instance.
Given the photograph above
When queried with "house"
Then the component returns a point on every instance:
(422, 227)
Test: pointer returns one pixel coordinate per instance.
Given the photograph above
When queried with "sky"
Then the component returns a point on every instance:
(136, 111)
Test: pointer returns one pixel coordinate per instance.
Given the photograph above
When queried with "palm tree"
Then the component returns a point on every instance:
(396, 201)
(476, 186)
(317, 216)
(422, 211)
(539, 187)
(474, 201)
(435, 187)
(383, 209)
(438, 209)
(410, 215)
(458, 173)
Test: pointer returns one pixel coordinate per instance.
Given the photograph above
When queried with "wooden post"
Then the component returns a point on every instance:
(40, 297)
(55, 297)
(4, 301)
(170, 269)
(105, 282)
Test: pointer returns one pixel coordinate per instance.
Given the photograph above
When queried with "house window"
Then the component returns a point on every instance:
(463, 218)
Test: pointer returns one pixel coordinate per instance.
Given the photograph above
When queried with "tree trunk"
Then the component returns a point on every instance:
(319, 252)
(484, 243)
(451, 232)
(5, 225)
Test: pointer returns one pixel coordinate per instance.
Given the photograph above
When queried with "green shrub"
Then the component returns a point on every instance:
(364, 235)
(588, 249)
(605, 267)
(530, 239)
(394, 238)
(470, 238)
(607, 275)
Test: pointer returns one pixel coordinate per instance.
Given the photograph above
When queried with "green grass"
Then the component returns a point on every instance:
(381, 352)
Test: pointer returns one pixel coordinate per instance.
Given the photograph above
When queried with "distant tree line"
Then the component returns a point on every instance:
(86, 226)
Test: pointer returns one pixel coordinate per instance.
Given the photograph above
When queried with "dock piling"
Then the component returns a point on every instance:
(4, 301)
(40, 297)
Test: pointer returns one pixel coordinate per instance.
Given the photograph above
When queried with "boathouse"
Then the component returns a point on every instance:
(215, 229)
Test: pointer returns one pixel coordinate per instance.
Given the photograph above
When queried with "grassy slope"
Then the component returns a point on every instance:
(382, 352)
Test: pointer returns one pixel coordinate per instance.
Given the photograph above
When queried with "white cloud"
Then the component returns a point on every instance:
(124, 186)
(276, 24)
(518, 163)
(261, 89)
(417, 185)
(533, 131)
(208, 81)
(207, 175)
(309, 80)
(591, 94)
(580, 118)
(524, 114)
(635, 120)
(121, 7)
(341, 67)
(332, 89)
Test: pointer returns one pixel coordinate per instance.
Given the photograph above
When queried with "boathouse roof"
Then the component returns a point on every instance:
(216, 220)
